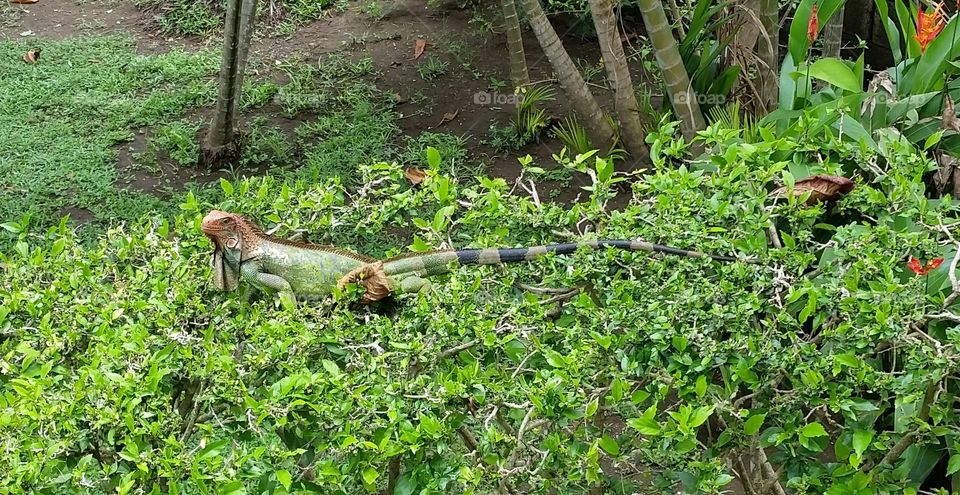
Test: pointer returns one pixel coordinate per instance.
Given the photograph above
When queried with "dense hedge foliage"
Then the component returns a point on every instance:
(123, 371)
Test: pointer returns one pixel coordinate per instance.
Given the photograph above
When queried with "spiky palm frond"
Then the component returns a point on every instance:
(573, 135)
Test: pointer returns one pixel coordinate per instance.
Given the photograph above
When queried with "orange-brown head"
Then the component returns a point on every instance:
(233, 237)
(223, 228)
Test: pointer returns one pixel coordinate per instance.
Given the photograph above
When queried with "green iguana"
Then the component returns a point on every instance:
(300, 270)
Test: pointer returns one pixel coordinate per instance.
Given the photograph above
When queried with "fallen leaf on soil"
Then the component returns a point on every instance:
(32, 56)
(418, 48)
(24, 2)
(822, 187)
(414, 175)
(447, 117)
(949, 118)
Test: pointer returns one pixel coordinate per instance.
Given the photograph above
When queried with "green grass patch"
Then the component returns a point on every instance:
(205, 17)
(61, 118)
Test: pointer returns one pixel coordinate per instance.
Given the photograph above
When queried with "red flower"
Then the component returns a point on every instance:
(915, 267)
(813, 25)
(929, 26)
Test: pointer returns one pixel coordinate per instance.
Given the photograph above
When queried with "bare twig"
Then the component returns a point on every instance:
(543, 290)
(561, 297)
(520, 367)
(954, 283)
(774, 236)
(456, 350)
(468, 438)
(191, 420)
(773, 476)
(393, 474)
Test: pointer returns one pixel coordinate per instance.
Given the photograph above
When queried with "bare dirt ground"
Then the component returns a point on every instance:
(474, 58)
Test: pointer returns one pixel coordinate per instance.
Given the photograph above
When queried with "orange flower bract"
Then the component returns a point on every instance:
(916, 267)
(929, 26)
(813, 25)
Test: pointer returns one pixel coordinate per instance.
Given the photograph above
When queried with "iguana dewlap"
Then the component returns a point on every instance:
(298, 270)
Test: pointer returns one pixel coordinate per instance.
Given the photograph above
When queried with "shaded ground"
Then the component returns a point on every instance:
(476, 68)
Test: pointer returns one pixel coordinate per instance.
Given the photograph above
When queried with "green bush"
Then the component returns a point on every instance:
(123, 371)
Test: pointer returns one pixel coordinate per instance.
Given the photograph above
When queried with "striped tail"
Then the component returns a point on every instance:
(436, 262)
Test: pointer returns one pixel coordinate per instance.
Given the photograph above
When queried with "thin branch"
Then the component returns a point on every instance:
(543, 290)
(393, 473)
(192, 419)
(456, 350)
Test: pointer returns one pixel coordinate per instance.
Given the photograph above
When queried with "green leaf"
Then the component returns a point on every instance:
(753, 423)
(893, 33)
(433, 157)
(609, 445)
(798, 43)
(212, 449)
(931, 65)
(226, 186)
(701, 386)
(283, 477)
(848, 359)
(954, 465)
(405, 486)
(11, 227)
(700, 415)
(835, 72)
(331, 367)
(646, 424)
(233, 488)
(861, 441)
(813, 430)
(370, 475)
(555, 359)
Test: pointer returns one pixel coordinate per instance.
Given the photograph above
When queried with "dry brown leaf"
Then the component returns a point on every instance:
(414, 175)
(24, 2)
(949, 118)
(447, 117)
(32, 56)
(372, 278)
(822, 187)
(419, 47)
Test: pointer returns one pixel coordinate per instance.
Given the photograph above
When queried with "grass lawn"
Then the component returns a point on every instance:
(61, 119)
(64, 119)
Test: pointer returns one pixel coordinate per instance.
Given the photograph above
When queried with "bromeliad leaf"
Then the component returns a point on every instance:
(835, 72)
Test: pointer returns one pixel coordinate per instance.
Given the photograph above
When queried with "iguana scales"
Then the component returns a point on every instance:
(301, 270)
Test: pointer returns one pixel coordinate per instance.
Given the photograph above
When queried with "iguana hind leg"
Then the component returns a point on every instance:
(414, 284)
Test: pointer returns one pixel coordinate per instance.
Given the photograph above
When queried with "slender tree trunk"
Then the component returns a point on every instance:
(768, 50)
(681, 94)
(570, 78)
(625, 100)
(518, 60)
(220, 144)
(833, 35)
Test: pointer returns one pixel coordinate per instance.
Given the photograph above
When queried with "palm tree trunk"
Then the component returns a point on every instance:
(768, 50)
(518, 61)
(624, 99)
(570, 78)
(681, 94)
(833, 35)
(219, 146)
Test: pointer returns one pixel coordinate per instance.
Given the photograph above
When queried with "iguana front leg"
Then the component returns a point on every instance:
(269, 282)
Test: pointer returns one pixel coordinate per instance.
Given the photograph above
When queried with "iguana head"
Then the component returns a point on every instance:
(232, 237)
